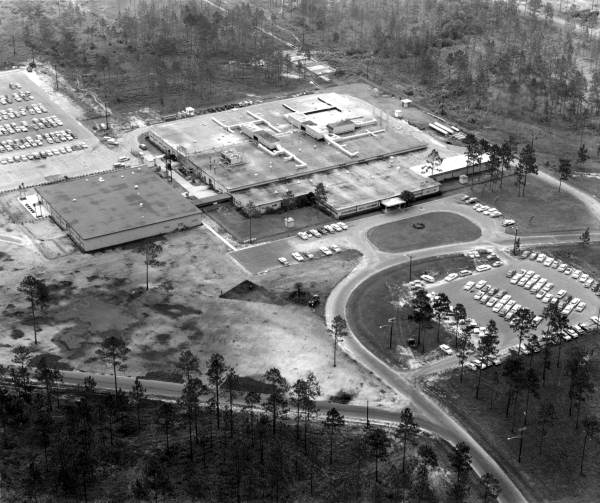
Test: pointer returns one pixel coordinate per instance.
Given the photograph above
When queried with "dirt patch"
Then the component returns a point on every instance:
(251, 292)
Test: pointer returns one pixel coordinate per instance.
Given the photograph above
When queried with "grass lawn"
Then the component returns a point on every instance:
(441, 228)
(266, 226)
(554, 474)
(543, 209)
(371, 305)
(586, 258)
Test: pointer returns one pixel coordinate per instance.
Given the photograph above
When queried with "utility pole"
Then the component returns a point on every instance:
(106, 112)
(410, 268)
(389, 324)
(516, 241)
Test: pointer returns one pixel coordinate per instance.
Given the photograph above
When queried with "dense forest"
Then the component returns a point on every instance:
(149, 50)
(220, 440)
(483, 54)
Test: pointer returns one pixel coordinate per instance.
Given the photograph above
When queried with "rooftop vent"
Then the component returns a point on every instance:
(135, 187)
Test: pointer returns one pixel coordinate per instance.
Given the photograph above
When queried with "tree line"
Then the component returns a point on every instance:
(216, 441)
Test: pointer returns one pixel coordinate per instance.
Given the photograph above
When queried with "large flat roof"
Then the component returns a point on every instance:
(203, 138)
(116, 201)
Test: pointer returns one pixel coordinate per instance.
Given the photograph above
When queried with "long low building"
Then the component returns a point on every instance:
(118, 207)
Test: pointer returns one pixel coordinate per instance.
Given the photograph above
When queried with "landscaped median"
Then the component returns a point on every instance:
(423, 231)
(374, 302)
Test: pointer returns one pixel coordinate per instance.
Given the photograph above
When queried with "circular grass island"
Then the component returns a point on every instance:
(434, 229)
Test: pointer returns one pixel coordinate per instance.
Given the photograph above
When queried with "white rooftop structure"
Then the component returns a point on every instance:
(448, 165)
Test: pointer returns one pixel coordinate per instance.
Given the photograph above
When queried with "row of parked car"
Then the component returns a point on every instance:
(31, 109)
(302, 256)
(17, 96)
(43, 154)
(541, 287)
(325, 229)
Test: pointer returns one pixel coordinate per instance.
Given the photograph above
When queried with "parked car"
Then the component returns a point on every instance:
(483, 267)
(298, 256)
(326, 250)
(446, 349)
(451, 277)
(283, 261)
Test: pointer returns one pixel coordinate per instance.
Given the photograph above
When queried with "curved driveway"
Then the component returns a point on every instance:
(430, 414)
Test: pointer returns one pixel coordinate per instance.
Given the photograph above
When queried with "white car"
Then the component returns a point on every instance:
(575, 274)
(451, 277)
(507, 222)
(303, 235)
(497, 263)
(298, 256)
(548, 261)
(562, 267)
(326, 250)
(583, 278)
(580, 307)
(468, 285)
(335, 248)
(483, 267)
(315, 233)
(561, 293)
(343, 226)
(595, 320)
(283, 261)
(336, 227)
(446, 349)
(480, 284)
(541, 257)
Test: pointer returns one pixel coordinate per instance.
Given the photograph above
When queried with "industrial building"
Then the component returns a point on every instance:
(117, 207)
(257, 154)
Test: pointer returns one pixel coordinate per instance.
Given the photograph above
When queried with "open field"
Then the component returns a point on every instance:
(441, 228)
(93, 296)
(372, 304)
(542, 210)
(554, 475)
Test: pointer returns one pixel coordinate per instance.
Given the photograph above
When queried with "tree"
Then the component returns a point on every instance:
(441, 307)
(48, 377)
(36, 292)
(216, 377)
(460, 460)
(581, 380)
(433, 160)
(513, 370)
(137, 395)
(487, 348)
(155, 479)
(459, 313)
(465, 346)
(113, 350)
(276, 402)
(506, 158)
(151, 251)
(591, 426)
(407, 196)
(188, 401)
(333, 421)
(378, 442)
(165, 417)
(406, 428)
(527, 165)
(304, 393)
(532, 387)
(582, 154)
(491, 487)
(422, 311)
(522, 324)
(320, 193)
(251, 211)
(231, 384)
(338, 331)
(474, 154)
(188, 363)
(546, 417)
(564, 171)
(288, 200)
(585, 237)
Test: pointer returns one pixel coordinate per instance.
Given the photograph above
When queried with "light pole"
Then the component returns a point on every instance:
(410, 268)
(520, 437)
(516, 241)
(389, 324)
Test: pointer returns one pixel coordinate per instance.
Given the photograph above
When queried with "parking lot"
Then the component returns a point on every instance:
(265, 257)
(497, 278)
(40, 139)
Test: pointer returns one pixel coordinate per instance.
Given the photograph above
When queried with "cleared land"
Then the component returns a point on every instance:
(441, 228)
(92, 296)
(373, 303)
(554, 475)
(542, 210)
